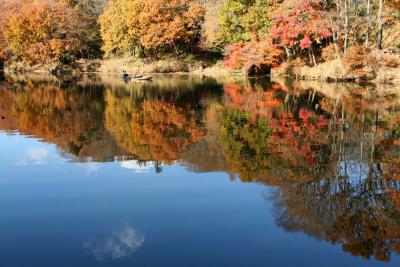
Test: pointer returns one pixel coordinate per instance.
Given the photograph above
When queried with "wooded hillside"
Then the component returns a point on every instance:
(250, 33)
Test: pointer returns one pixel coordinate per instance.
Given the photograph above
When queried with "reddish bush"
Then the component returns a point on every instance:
(246, 55)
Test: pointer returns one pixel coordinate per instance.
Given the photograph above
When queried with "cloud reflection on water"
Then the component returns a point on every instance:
(136, 166)
(121, 243)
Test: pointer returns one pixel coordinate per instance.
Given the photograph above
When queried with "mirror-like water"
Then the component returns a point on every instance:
(190, 171)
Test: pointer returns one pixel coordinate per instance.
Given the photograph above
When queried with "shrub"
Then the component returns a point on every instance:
(357, 57)
(383, 59)
(361, 62)
(391, 62)
(329, 53)
(397, 43)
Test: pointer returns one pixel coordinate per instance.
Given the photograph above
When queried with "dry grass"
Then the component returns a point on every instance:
(116, 65)
(382, 69)
(330, 70)
(170, 65)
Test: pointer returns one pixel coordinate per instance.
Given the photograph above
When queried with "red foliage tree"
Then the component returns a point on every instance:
(303, 26)
(261, 53)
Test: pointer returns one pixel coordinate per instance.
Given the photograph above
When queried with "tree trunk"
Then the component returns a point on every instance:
(380, 26)
(368, 22)
(191, 44)
(176, 48)
(2, 78)
(313, 56)
(346, 26)
(143, 52)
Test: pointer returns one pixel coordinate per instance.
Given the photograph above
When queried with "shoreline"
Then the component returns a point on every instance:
(320, 73)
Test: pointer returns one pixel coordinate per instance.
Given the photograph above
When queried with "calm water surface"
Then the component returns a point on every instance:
(189, 171)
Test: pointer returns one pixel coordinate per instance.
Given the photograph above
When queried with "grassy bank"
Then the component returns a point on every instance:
(380, 67)
(208, 66)
(330, 71)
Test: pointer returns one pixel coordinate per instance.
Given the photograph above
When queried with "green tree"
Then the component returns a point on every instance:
(242, 20)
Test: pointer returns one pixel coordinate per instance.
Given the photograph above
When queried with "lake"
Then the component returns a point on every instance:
(195, 171)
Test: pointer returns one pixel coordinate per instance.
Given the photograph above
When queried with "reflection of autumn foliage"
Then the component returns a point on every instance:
(152, 130)
(395, 199)
(50, 112)
(296, 136)
(337, 173)
(299, 136)
(353, 203)
(359, 216)
(252, 99)
(245, 143)
(390, 152)
(68, 118)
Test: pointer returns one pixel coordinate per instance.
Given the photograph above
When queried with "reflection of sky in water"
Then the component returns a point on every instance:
(37, 156)
(122, 243)
(136, 166)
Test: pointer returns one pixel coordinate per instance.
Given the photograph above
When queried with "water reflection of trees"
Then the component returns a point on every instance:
(87, 121)
(335, 163)
(294, 148)
(332, 157)
(152, 129)
(61, 114)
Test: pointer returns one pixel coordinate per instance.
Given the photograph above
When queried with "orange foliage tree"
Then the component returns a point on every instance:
(151, 24)
(44, 32)
(161, 23)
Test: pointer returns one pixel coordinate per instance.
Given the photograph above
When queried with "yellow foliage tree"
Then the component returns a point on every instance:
(117, 38)
(150, 24)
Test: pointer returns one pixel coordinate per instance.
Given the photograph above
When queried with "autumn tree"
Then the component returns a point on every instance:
(89, 11)
(117, 40)
(166, 23)
(210, 32)
(255, 57)
(43, 32)
(155, 25)
(243, 20)
(7, 8)
(303, 27)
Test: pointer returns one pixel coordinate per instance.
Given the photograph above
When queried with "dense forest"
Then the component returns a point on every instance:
(358, 35)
